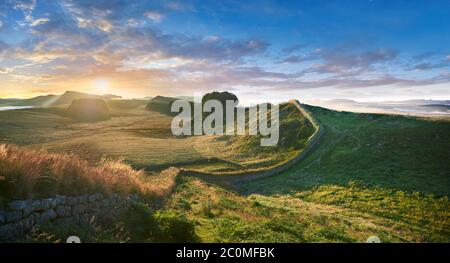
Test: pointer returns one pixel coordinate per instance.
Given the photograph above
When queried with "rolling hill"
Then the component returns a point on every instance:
(368, 174)
(54, 100)
(393, 151)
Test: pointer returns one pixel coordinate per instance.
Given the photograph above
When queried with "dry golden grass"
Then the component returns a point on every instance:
(31, 173)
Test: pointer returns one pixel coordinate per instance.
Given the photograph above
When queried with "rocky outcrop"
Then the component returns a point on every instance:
(20, 216)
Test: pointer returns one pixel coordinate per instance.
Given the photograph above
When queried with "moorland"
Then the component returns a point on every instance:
(368, 174)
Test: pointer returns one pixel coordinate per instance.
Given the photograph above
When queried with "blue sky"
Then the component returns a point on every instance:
(368, 50)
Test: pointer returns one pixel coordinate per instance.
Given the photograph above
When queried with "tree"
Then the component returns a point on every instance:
(220, 96)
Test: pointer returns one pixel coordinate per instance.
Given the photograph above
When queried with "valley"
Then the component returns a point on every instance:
(367, 174)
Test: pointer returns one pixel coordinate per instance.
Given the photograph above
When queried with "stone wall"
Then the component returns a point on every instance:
(248, 175)
(20, 216)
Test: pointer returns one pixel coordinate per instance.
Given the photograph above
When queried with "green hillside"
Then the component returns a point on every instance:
(368, 174)
(326, 214)
(143, 138)
(202, 212)
(398, 152)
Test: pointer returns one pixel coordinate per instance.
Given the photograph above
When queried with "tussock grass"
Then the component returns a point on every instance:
(37, 174)
(330, 213)
(397, 152)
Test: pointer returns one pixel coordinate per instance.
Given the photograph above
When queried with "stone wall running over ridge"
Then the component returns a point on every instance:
(20, 216)
(240, 176)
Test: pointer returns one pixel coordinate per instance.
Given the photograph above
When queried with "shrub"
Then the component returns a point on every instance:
(174, 227)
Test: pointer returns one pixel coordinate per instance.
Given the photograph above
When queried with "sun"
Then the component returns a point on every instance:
(100, 85)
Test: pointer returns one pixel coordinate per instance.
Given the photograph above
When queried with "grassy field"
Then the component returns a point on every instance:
(349, 213)
(144, 139)
(245, 152)
(138, 136)
(397, 152)
(201, 212)
(369, 174)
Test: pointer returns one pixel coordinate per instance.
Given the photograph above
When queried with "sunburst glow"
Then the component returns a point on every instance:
(101, 85)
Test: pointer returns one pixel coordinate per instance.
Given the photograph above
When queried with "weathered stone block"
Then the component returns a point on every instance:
(92, 198)
(36, 205)
(46, 204)
(28, 208)
(22, 215)
(58, 200)
(71, 200)
(2, 217)
(49, 215)
(78, 209)
(63, 211)
(13, 216)
(61, 199)
(17, 205)
(83, 199)
(36, 218)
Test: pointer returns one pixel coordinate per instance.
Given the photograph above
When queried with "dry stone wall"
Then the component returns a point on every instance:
(237, 177)
(20, 216)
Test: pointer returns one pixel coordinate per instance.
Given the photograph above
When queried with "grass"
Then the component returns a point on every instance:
(416, 209)
(398, 152)
(143, 139)
(349, 213)
(370, 174)
(245, 152)
(139, 137)
(201, 212)
(37, 174)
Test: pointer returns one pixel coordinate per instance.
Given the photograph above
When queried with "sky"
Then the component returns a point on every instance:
(366, 50)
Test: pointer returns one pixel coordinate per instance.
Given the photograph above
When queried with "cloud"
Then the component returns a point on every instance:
(342, 60)
(177, 6)
(357, 83)
(96, 28)
(223, 49)
(429, 62)
(39, 21)
(154, 16)
(424, 55)
(25, 5)
(81, 40)
(298, 58)
(156, 44)
(428, 66)
(293, 48)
